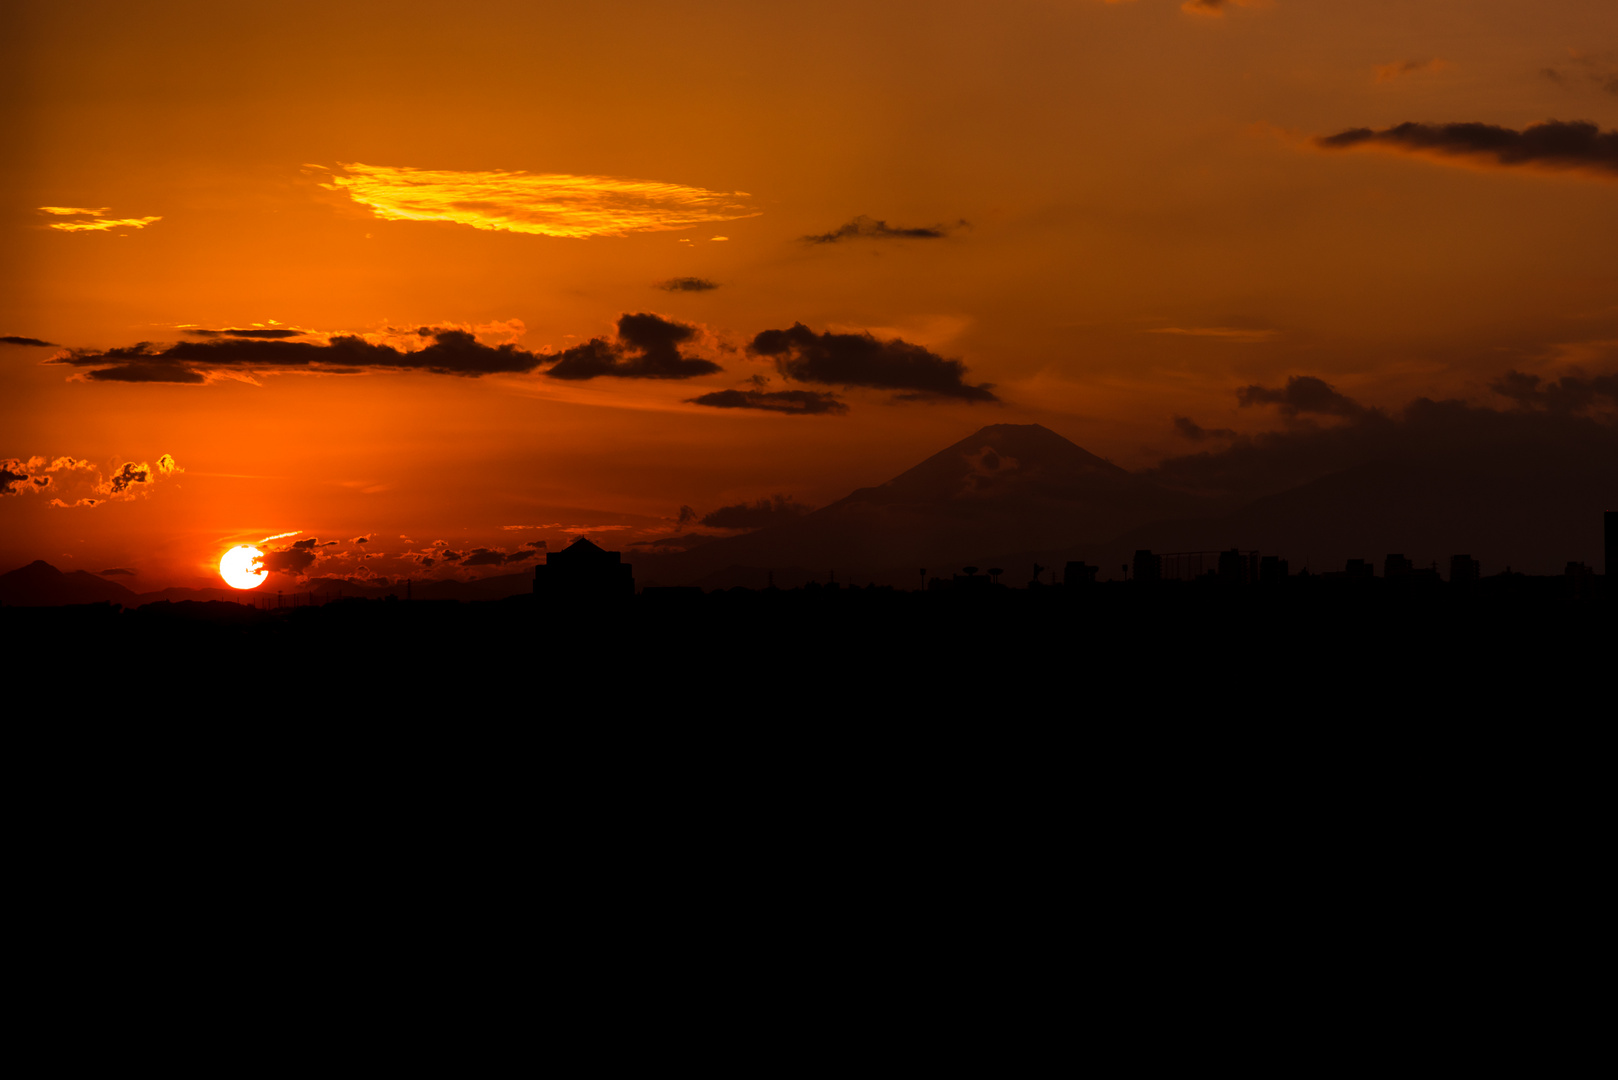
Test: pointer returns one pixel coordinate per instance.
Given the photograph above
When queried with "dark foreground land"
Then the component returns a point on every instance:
(1373, 648)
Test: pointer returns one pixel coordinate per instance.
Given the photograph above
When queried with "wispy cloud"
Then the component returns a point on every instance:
(1217, 8)
(1399, 69)
(864, 228)
(542, 204)
(94, 221)
(1226, 333)
(1586, 69)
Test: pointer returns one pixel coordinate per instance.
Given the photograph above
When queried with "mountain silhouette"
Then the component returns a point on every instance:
(1518, 488)
(39, 584)
(1005, 487)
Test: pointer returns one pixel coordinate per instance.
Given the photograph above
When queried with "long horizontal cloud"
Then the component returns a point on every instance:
(12, 339)
(269, 334)
(802, 355)
(794, 402)
(864, 228)
(645, 347)
(453, 352)
(1553, 145)
(687, 284)
(541, 204)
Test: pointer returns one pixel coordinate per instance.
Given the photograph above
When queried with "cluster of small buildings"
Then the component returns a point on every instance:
(584, 569)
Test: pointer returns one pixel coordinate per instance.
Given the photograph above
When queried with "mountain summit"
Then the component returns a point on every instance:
(1007, 487)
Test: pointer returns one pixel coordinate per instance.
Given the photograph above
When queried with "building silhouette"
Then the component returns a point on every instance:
(1272, 570)
(1463, 570)
(1148, 567)
(1610, 519)
(1079, 573)
(583, 570)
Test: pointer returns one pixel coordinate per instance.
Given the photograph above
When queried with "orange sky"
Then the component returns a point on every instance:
(1132, 214)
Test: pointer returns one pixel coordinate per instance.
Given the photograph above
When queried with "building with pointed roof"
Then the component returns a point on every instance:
(583, 570)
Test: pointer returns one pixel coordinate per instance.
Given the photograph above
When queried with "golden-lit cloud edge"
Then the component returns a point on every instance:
(94, 219)
(538, 204)
(81, 480)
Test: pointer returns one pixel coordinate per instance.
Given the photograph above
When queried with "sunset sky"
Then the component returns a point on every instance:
(496, 274)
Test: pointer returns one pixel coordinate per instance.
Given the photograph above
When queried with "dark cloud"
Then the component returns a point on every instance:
(1551, 145)
(1569, 394)
(687, 284)
(146, 373)
(118, 571)
(756, 515)
(647, 347)
(1190, 429)
(252, 332)
(293, 560)
(491, 557)
(12, 478)
(126, 477)
(453, 352)
(11, 339)
(1547, 427)
(797, 402)
(864, 228)
(1302, 394)
(686, 517)
(861, 360)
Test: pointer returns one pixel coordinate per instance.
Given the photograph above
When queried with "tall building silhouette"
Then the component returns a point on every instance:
(1611, 522)
(1148, 567)
(1463, 569)
(583, 570)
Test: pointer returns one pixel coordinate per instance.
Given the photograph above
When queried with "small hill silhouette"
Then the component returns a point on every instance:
(39, 584)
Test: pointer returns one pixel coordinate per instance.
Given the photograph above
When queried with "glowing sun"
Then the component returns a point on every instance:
(236, 567)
